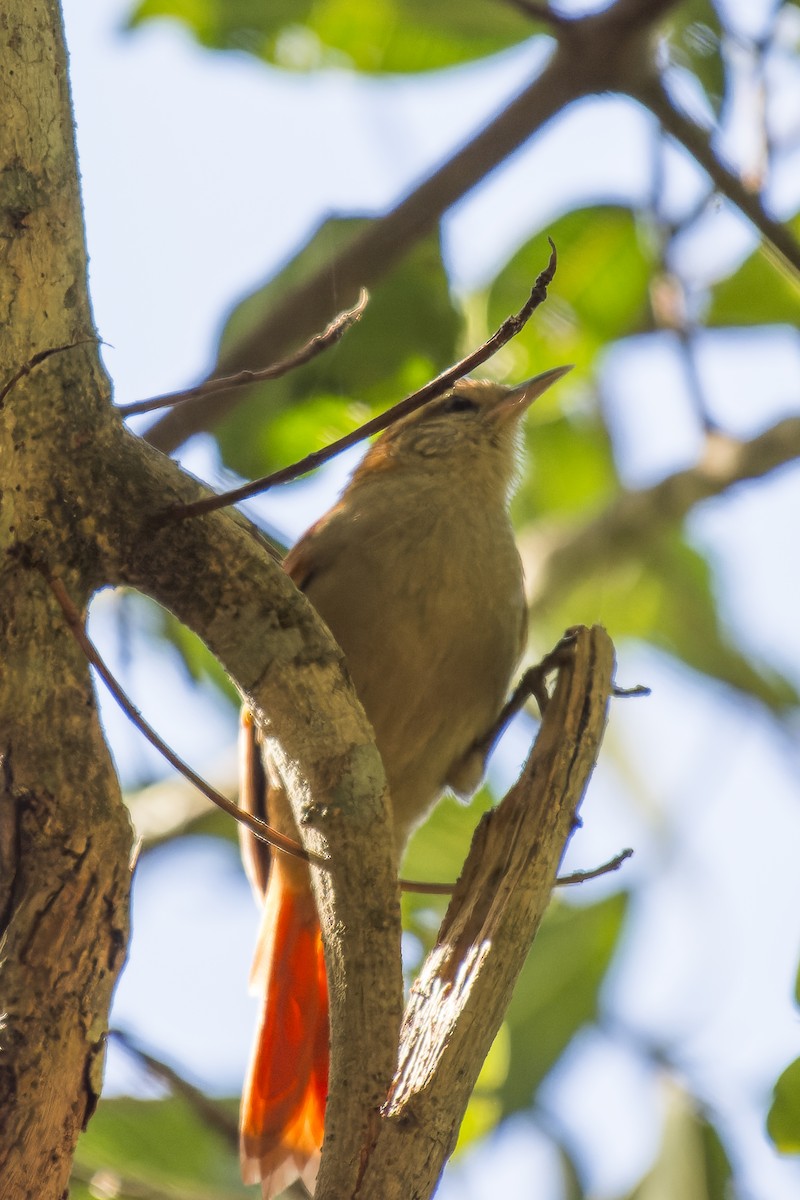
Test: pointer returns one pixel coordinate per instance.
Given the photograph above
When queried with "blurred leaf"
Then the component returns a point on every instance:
(437, 850)
(692, 1162)
(557, 991)
(435, 854)
(160, 1144)
(571, 466)
(757, 293)
(600, 292)
(200, 663)
(384, 35)
(783, 1119)
(78, 1190)
(694, 35)
(665, 595)
(484, 1109)
(408, 333)
(688, 624)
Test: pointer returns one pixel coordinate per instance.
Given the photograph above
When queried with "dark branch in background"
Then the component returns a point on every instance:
(694, 382)
(314, 347)
(653, 95)
(211, 1114)
(603, 52)
(508, 330)
(632, 516)
(383, 243)
(262, 831)
(598, 53)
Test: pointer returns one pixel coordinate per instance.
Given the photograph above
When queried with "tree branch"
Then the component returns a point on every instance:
(619, 530)
(283, 658)
(209, 1112)
(262, 831)
(64, 834)
(460, 997)
(606, 51)
(541, 12)
(650, 92)
(605, 868)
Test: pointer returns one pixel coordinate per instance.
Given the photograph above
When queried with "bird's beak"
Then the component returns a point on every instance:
(516, 401)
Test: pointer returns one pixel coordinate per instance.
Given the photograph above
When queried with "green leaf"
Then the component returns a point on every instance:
(200, 663)
(160, 1144)
(687, 623)
(384, 35)
(758, 293)
(78, 1190)
(436, 854)
(437, 850)
(484, 1109)
(572, 1185)
(600, 293)
(557, 991)
(783, 1119)
(692, 1163)
(409, 332)
(661, 590)
(570, 466)
(558, 987)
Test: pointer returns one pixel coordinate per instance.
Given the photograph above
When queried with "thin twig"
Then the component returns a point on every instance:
(27, 367)
(508, 330)
(211, 1114)
(312, 348)
(265, 832)
(426, 889)
(613, 864)
(447, 889)
(631, 693)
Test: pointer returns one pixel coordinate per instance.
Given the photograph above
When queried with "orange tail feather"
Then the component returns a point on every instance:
(283, 1103)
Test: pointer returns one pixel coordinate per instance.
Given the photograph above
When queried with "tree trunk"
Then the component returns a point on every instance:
(64, 835)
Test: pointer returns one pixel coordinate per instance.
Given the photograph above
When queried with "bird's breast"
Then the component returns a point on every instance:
(429, 613)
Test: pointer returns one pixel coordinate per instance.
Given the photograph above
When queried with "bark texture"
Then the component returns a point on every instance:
(64, 835)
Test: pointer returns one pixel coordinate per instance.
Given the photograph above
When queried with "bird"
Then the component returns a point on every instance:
(416, 572)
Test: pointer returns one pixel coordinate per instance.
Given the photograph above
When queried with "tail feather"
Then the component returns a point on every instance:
(283, 1103)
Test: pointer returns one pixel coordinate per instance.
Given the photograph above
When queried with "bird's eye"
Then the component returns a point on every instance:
(460, 403)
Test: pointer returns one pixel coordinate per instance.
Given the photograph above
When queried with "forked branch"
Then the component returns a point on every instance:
(462, 993)
(261, 830)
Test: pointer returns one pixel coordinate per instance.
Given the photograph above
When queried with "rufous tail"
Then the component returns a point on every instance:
(283, 1102)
